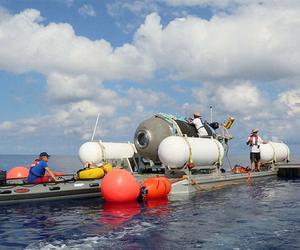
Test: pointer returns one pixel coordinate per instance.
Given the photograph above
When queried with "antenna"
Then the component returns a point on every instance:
(95, 128)
(210, 107)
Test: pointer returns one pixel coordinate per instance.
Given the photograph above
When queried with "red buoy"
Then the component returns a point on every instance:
(156, 187)
(17, 172)
(119, 186)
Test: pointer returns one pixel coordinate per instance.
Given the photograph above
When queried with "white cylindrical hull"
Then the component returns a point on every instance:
(98, 152)
(176, 151)
(274, 151)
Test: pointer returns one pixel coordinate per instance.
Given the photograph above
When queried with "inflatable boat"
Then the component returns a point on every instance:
(16, 191)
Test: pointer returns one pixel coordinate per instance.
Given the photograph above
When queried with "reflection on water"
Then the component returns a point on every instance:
(156, 207)
(115, 214)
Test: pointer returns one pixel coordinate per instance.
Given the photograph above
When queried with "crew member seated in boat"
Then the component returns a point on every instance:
(197, 122)
(38, 170)
(254, 141)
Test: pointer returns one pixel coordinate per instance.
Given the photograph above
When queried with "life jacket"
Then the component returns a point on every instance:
(36, 161)
(33, 164)
(253, 140)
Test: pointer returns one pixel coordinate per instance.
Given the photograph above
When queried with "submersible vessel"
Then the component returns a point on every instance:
(169, 146)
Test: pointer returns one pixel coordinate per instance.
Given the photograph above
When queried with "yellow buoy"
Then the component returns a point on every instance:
(229, 123)
(107, 167)
(90, 173)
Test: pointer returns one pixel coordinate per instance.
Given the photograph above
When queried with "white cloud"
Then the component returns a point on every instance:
(237, 97)
(78, 102)
(68, 88)
(130, 14)
(148, 97)
(26, 44)
(87, 10)
(255, 43)
(291, 100)
(141, 7)
(220, 3)
(241, 97)
(6, 125)
(225, 4)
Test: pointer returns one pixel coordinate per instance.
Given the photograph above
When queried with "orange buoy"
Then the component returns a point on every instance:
(119, 186)
(156, 187)
(18, 172)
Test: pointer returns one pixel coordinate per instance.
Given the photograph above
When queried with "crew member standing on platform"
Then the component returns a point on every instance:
(197, 122)
(254, 141)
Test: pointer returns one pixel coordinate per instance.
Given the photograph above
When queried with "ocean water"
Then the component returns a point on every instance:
(263, 215)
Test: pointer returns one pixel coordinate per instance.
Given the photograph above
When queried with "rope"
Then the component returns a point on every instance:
(288, 152)
(274, 155)
(196, 185)
(219, 161)
(102, 150)
(190, 159)
(171, 120)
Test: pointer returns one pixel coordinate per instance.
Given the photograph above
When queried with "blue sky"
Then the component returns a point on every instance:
(64, 61)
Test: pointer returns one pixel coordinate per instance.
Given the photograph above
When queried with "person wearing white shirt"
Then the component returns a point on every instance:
(198, 124)
(254, 141)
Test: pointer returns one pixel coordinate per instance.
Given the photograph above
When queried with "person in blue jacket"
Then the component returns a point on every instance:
(39, 168)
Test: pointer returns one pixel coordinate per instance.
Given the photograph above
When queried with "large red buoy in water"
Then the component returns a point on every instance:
(17, 172)
(119, 186)
(156, 187)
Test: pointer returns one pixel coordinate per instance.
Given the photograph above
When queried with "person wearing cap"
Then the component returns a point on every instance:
(197, 122)
(254, 141)
(38, 170)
